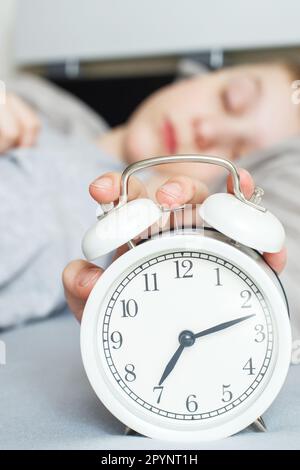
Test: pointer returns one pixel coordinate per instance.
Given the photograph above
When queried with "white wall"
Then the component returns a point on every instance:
(57, 30)
(7, 17)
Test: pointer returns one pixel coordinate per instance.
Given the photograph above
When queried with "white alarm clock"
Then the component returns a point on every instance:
(186, 336)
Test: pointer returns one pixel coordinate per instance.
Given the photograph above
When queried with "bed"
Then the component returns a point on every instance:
(58, 409)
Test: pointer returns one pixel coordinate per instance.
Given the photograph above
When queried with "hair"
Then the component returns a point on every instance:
(293, 68)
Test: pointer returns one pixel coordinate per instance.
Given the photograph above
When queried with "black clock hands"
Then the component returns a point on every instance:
(187, 339)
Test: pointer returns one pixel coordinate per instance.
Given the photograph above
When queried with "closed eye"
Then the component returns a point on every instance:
(240, 94)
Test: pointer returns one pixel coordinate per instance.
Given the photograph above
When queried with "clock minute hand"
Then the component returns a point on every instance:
(222, 326)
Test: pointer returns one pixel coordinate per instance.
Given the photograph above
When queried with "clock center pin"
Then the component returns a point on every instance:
(186, 338)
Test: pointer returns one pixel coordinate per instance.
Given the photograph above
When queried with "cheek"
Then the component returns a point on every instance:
(277, 120)
(141, 142)
(270, 132)
(144, 132)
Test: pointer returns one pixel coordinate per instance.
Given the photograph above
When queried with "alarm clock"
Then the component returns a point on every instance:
(186, 336)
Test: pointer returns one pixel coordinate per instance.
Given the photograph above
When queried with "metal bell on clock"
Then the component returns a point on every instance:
(118, 226)
(244, 221)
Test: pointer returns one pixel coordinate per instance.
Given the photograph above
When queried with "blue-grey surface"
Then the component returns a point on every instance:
(46, 401)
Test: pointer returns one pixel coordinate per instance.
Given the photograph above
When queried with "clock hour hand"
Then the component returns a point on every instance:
(222, 326)
(171, 364)
(186, 339)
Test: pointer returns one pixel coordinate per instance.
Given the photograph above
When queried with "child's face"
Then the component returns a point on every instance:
(227, 113)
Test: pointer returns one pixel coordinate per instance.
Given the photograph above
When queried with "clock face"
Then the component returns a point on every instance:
(186, 336)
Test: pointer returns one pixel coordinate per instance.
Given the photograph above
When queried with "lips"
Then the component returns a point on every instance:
(169, 136)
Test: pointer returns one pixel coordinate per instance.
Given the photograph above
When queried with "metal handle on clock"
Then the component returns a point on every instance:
(141, 165)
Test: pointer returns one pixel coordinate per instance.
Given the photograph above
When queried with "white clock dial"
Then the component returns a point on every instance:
(186, 335)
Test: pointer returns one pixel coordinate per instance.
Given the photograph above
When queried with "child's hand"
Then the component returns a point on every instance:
(79, 277)
(19, 124)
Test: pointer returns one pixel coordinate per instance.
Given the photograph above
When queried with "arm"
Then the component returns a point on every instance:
(42, 221)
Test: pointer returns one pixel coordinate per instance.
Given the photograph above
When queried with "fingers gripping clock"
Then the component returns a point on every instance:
(186, 337)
